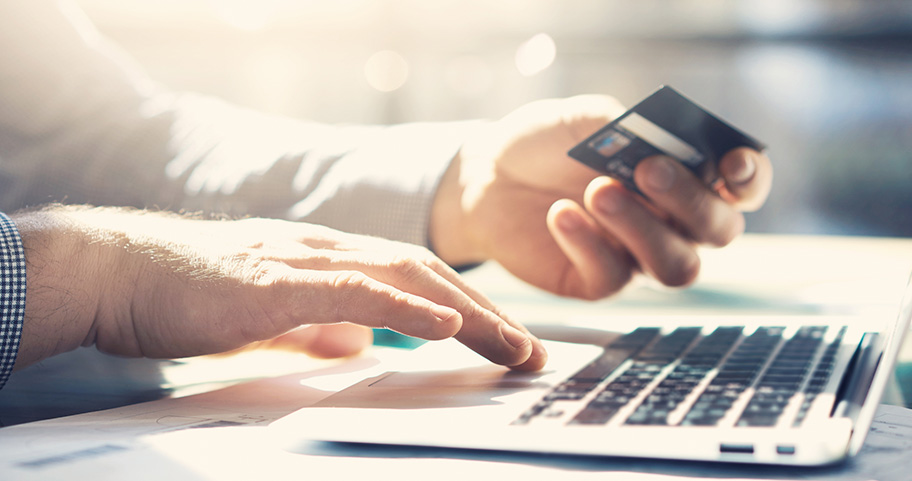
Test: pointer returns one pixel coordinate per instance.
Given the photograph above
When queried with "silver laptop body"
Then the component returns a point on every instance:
(790, 390)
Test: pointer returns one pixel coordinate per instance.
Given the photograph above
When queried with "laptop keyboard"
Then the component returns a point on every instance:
(685, 378)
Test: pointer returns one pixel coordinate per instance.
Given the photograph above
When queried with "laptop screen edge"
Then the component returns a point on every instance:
(884, 371)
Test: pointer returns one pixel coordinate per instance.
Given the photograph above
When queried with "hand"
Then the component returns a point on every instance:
(513, 195)
(156, 285)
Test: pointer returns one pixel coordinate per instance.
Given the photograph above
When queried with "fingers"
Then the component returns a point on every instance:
(378, 284)
(289, 298)
(479, 336)
(597, 269)
(658, 248)
(748, 176)
(354, 297)
(704, 216)
(483, 328)
(660, 233)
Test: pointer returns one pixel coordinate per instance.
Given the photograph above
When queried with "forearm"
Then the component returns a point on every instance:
(84, 125)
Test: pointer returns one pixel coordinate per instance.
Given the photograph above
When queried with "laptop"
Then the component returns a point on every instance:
(785, 390)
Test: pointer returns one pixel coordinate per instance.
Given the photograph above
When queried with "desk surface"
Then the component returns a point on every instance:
(223, 434)
(768, 274)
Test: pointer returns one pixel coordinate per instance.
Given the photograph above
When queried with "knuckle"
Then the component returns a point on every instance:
(437, 265)
(349, 282)
(408, 268)
(347, 289)
(251, 266)
(423, 255)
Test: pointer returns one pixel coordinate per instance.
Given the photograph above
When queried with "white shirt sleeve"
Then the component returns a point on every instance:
(81, 123)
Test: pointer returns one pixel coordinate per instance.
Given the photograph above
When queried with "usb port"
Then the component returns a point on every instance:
(736, 448)
(785, 449)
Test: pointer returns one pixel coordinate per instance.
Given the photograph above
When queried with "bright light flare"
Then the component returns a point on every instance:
(535, 55)
(386, 70)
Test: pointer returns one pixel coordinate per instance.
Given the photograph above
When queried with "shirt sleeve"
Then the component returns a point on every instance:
(82, 124)
(12, 295)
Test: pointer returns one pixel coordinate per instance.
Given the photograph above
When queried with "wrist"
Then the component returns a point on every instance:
(451, 236)
(64, 278)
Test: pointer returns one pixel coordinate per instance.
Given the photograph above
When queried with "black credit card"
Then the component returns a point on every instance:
(665, 123)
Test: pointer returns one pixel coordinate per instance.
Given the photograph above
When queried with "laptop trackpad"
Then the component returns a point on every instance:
(441, 384)
(436, 389)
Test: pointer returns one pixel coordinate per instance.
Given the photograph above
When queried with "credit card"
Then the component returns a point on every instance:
(665, 123)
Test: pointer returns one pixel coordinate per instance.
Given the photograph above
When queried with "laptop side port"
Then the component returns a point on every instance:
(727, 448)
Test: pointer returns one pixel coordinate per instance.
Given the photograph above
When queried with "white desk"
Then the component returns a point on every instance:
(230, 440)
(152, 440)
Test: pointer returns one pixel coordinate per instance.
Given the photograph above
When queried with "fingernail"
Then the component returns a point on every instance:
(609, 202)
(661, 174)
(443, 313)
(539, 352)
(744, 172)
(513, 336)
(568, 221)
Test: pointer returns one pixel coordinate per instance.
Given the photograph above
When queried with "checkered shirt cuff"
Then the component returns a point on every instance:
(12, 295)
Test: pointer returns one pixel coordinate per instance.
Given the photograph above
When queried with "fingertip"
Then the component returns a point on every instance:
(514, 337)
(605, 196)
(657, 174)
(537, 360)
(563, 215)
(748, 176)
(504, 344)
(448, 321)
(683, 274)
(596, 186)
(525, 354)
(739, 166)
(595, 268)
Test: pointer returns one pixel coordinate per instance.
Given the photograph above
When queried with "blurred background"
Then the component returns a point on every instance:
(827, 84)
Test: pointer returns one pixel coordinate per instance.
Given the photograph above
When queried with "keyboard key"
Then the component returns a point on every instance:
(736, 374)
(686, 376)
(783, 378)
(820, 377)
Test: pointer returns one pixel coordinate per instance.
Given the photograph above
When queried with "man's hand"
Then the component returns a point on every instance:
(157, 285)
(513, 195)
